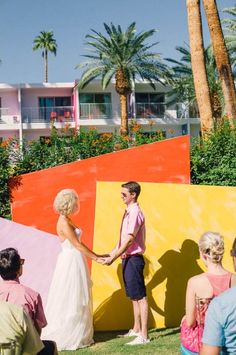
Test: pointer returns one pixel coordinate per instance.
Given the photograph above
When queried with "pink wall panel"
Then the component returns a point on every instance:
(39, 249)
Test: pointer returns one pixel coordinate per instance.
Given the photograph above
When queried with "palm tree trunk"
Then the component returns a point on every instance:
(46, 66)
(198, 65)
(222, 58)
(124, 115)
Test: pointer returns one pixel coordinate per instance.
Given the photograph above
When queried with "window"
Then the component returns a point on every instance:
(56, 106)
(150, 105)
(95, 98)
(95, 105)
(54, 101)
(150, 98)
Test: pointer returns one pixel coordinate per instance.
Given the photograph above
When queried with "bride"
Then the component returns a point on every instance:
(69, 305)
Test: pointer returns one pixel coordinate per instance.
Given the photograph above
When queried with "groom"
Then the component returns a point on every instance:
(131, 247)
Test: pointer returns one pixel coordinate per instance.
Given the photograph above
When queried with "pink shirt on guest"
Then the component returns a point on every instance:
(133, 222)
(14, 292)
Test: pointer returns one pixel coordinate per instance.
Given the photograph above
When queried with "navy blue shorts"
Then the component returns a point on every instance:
(133, 277)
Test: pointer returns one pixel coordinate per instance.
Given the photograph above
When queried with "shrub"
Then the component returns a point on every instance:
(5, 173)
(213, 160)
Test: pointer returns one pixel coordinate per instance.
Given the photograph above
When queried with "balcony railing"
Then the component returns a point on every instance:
(7, 116)
(47, 114)
(150, 110)
(95, 111)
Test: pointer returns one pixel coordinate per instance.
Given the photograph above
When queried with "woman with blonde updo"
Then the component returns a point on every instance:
(201, 289)
(69, 304)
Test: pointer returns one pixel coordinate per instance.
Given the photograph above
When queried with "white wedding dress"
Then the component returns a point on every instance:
(69, 305)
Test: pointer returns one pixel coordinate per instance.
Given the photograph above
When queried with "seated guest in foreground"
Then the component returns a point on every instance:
(11, 290)
(17, 328)
(219, 335)
(201, 289)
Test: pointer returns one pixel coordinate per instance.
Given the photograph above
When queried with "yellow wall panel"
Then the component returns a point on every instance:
(176, 216)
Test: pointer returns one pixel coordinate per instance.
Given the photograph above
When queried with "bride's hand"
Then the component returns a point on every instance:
(100, 260)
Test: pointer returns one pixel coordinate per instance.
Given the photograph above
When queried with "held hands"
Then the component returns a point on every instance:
(100, 259)
(108, 260)
(105, 259)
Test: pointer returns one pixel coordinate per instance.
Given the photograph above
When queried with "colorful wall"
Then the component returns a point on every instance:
(165, 161)
(176, 214)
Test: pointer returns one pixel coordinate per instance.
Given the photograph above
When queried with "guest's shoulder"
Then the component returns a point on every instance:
(227, 295)
(30, 291)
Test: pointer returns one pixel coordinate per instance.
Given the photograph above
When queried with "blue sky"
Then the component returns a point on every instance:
(22, 20)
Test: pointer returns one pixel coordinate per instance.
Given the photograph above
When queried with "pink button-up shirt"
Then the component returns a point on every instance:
(133, 222)
(12, 291)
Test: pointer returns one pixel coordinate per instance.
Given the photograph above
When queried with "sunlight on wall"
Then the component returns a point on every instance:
(176, 216)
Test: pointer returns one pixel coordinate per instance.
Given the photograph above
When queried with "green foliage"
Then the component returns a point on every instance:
(121, 51)
(213, 161)
(5, 173)
(46, 42)
(180, 77)
(230, 33)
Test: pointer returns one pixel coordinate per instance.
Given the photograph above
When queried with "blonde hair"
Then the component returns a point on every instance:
(212, 245)
(65, 201)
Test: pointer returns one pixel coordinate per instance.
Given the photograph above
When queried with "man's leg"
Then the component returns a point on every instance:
(137, 316)
(143, 309)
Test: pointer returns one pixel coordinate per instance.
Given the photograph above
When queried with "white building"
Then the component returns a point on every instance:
(28, 110)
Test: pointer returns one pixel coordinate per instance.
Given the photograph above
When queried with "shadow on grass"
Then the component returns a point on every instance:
(101, 337)
(163, 332)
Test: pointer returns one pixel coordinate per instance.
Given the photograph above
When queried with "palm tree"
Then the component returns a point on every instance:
(230, 37)
(198, 65)
(123, 55)
(181, 80)
(222, 58)
(47, 43)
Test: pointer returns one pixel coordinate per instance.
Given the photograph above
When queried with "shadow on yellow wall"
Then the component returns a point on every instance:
(176, 268)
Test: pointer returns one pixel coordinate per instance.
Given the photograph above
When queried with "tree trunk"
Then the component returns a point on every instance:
(216, 106)
(198, 65)
(46, 66)
(124, 115)
(222, 58)
(123, 89)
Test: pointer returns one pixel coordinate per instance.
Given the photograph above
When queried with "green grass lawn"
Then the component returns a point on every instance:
(163, 341)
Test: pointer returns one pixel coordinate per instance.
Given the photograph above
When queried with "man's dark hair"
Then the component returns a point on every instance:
(9, 263)
(133, 187)
(233, 250)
